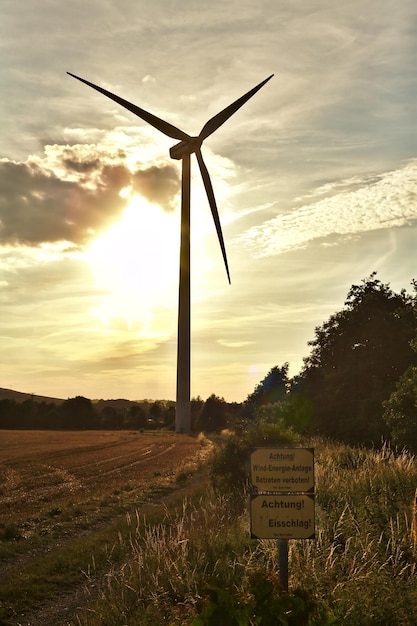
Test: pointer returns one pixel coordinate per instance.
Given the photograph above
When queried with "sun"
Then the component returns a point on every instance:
(135, 264)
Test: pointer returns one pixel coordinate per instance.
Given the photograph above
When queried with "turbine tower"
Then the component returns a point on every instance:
(182, 151)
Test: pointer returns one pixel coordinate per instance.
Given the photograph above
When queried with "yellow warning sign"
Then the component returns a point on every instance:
(287, 470)
(282, 516)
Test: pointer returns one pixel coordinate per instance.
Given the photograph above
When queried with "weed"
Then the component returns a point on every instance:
(263, 604)
(10, 532)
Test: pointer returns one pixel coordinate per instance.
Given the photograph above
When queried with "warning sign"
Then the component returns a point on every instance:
(289, 470)
(282, 516)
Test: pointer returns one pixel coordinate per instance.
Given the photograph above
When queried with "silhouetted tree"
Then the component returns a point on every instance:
(136, 417)
(273, 388)
(197, 405)
(111, 418)
(77, 413)
(9, 414)
(28, 411)
(357, 357)
(214, 414)
(169, 415)
(46, 415)
(155, 412)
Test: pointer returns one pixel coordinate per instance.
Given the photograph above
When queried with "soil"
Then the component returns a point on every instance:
(55, 486)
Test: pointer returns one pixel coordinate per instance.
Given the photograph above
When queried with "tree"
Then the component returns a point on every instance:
(400, 411)
(77, 413)
(9, 414)
(155, 412)
(136, 417)
(110, 417)
(169, 415)
(214, 414)
(197, 405)
(357, 357)
(273, 388)
(45, 417)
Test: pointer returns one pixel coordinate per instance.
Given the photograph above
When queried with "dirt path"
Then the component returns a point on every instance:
(61, 609)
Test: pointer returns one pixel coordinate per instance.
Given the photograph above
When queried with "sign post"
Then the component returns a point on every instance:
(283, 563)
(282, 501)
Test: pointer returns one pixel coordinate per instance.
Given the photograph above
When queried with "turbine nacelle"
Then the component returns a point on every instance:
(186, 146)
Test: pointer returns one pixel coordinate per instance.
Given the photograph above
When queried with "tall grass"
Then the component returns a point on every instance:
(361, 568)
(170, 563)
(362, 565)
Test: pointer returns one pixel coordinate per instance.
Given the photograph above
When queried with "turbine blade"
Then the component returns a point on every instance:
(219, 119)
(153, 120)
(213, 206)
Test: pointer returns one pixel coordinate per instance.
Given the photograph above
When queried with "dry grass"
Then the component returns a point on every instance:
(170, 562)
(362, 564)
(361, 568)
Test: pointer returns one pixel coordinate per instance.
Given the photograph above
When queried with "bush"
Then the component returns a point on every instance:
(263, 604)
(229, 469)
(400, 411)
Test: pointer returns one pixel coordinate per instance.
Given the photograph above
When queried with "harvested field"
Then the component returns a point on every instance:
(64, 493)
(37, 467)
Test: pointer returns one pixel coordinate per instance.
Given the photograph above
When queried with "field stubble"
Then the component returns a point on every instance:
(56, 487)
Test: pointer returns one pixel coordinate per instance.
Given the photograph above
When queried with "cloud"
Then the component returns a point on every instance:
(28, 272)
(376, 202)
(158, 184)
(37, 206)
(72, 193)
(234, 344)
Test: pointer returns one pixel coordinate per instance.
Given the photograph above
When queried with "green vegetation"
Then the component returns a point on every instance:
(200, 567)
(359, 383)
(357, 357)
(400, 410)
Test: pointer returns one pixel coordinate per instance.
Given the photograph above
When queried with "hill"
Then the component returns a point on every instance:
(18, 396)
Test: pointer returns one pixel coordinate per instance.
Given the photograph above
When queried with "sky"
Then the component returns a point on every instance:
(315, 180)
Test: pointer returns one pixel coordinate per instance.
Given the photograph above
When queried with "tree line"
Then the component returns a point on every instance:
(80, 413)
(357, 385)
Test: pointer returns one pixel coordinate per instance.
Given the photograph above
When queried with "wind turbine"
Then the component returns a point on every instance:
(182, 151)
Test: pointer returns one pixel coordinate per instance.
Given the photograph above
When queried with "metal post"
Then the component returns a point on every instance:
(283, 563)
(183, 407)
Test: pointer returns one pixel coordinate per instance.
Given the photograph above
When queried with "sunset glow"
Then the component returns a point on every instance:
(135, 264)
